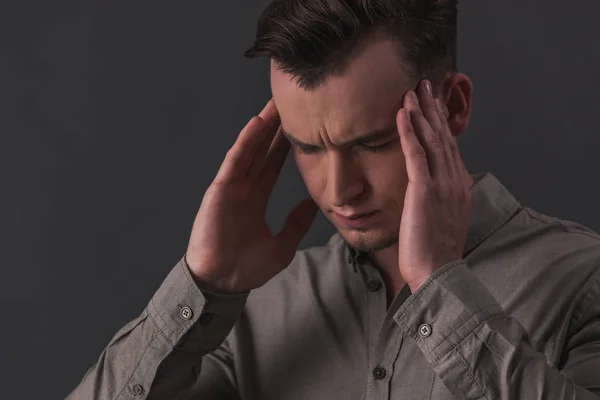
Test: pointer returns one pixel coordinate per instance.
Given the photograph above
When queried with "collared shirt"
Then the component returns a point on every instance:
(518, 317)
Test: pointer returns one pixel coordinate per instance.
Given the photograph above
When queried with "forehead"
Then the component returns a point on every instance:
(369, 92)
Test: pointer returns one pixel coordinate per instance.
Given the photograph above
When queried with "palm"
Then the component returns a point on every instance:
(233, 217)
(231, 245)
(411, 250)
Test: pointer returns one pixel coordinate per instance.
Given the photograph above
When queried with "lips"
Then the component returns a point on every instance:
(356, 220)
(356, 216)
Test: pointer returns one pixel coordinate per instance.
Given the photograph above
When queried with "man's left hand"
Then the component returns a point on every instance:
(437, 203)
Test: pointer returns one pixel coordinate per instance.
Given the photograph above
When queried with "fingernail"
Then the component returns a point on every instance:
(428, 87)
(414, 96)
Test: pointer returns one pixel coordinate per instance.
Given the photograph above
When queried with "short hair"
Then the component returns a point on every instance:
(314, 39)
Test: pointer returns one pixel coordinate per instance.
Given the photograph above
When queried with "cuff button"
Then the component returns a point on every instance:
(425, 330)
(186, 313)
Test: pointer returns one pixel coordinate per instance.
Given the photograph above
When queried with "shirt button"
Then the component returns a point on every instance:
(138, 390)
(374, 286)
(186, 313)
(425, 330)
(205, 319)
(379, 373)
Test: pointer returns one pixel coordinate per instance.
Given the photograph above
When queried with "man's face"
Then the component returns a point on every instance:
(351, 179)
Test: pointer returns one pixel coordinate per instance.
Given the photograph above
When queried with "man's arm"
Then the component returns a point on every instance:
(161, 351)
(231, 251)
(479, 351)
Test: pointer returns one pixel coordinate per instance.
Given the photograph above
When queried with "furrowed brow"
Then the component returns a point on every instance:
(365, 138)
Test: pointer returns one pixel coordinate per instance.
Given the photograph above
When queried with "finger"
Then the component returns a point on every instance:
(429, 106)
(268, 110)
(455, 165)
(425, 134)
(275, 159)
(439, 124)
(417, 167)
(296, 225)
(239, 157)
(447, 139)
(270, 116)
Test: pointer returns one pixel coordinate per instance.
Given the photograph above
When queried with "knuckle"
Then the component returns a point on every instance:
(436, 144)
(452, 145)
(233, 155)
(417, 153)
(219, 180)
(236, 157)
(429, 187)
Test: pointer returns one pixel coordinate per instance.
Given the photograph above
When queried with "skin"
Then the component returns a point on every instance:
(411, 192)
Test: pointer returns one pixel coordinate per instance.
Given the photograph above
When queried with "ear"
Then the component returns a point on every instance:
(457, 96)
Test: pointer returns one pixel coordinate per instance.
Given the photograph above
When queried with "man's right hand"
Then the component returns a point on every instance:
(231, 248)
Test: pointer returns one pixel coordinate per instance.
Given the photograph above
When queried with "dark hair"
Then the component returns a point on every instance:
(313, 39)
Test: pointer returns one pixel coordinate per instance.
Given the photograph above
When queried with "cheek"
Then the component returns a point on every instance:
(387, 176)
(313, 175)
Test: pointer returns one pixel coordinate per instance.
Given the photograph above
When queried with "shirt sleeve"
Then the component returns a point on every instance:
(161, 351)
(480, 352)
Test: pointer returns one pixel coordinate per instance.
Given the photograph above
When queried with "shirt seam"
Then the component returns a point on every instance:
(137, 366)
(461, 339)
(500, 221)
(161, 331)
(557, 221)
(595, 280)
(172, 331)
(464, 364)
(432, 386)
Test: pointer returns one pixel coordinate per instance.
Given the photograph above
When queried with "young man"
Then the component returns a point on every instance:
(438, 284)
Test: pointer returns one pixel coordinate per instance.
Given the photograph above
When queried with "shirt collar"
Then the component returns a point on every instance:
(492, 205)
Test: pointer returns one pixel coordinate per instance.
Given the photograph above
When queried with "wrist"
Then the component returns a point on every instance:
(203, 283)
(416, 284)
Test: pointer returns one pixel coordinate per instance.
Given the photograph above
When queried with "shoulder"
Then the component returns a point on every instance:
(559, 241)
(574, 246)
(546, 244)
(541, 268)
(535, 255)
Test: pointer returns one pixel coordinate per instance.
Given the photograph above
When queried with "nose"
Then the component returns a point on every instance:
(344, 180)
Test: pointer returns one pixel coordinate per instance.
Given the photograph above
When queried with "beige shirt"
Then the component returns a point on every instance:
(517, 318)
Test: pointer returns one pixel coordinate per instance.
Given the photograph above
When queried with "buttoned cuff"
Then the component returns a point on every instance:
(445, 309)
(190, 318)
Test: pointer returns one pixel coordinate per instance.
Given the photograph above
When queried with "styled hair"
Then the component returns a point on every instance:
(314, 39)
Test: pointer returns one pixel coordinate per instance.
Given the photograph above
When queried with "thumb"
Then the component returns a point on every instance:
(297, 223)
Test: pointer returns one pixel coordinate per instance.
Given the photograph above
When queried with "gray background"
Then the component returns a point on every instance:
(115, 116)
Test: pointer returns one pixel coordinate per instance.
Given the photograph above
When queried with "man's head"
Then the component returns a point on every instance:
(339, 71)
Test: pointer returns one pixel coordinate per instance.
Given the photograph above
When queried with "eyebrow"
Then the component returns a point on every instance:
(364, 138)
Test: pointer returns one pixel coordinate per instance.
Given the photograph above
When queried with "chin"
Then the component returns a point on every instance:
(370, 240)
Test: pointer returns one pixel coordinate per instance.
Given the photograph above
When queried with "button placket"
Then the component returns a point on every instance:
(374, 285)
(137, 390)
(379, 373)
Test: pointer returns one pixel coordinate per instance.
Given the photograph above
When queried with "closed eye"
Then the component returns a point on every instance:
(370, 149)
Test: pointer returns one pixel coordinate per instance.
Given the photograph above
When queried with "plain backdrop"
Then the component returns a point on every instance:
(115, 116)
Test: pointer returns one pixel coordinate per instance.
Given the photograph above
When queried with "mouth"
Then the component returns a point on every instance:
(356, 220)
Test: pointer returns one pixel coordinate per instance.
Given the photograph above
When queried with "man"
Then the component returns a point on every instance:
(438, 284)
